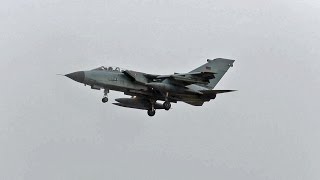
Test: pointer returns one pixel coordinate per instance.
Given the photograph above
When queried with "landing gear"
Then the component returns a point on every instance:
(151, 112)
(167, 105)
(105, 97)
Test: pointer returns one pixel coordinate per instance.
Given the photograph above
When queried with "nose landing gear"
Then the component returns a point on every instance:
(105, 97)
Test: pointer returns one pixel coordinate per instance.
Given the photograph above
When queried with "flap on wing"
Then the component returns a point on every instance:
(187, 80)
(203, 74)
(190, 78)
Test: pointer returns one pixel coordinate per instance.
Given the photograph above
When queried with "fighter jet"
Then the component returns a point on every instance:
(194, 87)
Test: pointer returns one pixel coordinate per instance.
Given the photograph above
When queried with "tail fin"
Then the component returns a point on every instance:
(218, 66)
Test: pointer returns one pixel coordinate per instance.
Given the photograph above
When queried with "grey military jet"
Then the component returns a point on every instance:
(194, 88)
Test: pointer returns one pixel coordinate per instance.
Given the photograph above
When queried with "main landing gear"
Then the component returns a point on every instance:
(152, 110)
(167, 104)
(105, 96)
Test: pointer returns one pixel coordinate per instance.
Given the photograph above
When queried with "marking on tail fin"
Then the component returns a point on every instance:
(219, 66)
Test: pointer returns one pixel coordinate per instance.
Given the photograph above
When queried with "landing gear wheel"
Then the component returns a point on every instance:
(105, 99)
(151, 112)
(167, 105)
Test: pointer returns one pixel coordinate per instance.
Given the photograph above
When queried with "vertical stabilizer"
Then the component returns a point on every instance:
(218, 66)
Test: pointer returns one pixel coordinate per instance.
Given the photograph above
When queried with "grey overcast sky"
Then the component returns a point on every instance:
(56, 129)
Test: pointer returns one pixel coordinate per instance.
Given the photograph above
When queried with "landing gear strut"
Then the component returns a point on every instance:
(105, 97)
(151, 111)
(167, 104)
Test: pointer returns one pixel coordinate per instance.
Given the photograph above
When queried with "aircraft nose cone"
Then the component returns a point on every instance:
(76, 76)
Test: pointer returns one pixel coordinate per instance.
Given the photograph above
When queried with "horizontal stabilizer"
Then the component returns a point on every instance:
(216, 91)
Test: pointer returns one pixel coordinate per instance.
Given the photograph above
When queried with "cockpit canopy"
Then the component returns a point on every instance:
(110, 68)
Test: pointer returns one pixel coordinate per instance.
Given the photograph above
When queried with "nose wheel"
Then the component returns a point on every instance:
(105, 97)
